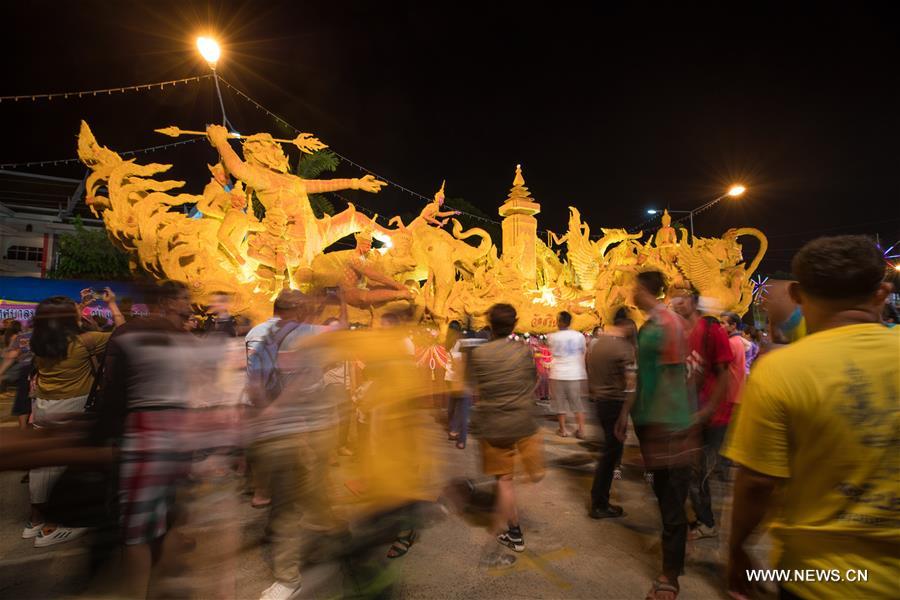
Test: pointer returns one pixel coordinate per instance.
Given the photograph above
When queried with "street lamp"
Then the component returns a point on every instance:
(211, 52)
(734, 191)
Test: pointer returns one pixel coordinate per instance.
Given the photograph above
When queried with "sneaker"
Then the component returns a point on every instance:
(59, 535)
(617, 474)
(345, 451)
(279, 591)
(648, 477)
(513, 539)
(31, 530)
(701, 531)
(610, 511)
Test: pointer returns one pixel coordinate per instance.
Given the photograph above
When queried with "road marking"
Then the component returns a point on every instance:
(528, 560)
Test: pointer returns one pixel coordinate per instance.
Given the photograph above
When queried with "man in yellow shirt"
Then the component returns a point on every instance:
(819, 422)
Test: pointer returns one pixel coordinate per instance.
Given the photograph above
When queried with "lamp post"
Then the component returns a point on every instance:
(734, 191)
(211, 52)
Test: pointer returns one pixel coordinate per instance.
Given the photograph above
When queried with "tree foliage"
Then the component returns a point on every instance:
(311, 166)
(89, 254)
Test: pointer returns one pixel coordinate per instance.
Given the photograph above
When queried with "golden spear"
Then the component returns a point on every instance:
(305, 142)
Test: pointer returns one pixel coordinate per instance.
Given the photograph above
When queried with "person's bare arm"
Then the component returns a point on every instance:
(753, 494)
(110, 298)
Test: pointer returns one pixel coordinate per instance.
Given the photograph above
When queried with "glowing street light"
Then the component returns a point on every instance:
(736, 190)
(209, 50)
(211, 53)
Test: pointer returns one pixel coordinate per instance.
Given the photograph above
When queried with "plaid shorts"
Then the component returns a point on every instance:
(153, 464)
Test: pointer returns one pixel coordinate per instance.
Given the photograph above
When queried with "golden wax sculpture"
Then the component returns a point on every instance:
(442, 275)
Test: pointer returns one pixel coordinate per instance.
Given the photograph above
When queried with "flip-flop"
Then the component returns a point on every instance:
(661, 586)
(402, 545)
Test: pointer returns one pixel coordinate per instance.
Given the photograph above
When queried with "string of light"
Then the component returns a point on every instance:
(240, 93)
(67, 161)
(108, 91)
(413, 193)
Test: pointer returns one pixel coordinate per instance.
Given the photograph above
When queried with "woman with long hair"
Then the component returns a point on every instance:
(66, 360)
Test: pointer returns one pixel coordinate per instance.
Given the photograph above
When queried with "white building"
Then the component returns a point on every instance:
(34, 211)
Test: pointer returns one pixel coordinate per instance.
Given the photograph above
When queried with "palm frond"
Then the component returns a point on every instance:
(310, 166)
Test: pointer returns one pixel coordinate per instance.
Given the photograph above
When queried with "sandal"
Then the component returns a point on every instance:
(662, 586)
(579, 434)
(402, 544)
(460, 445)
(562, 433)
(260, 502)
(452, 436)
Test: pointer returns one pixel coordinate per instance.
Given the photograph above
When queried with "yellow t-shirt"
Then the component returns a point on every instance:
(70, 377)
(824, 413)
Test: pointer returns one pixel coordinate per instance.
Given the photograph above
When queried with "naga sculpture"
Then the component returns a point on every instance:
(214, 241)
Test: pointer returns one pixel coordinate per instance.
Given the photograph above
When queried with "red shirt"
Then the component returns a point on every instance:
(708, 343)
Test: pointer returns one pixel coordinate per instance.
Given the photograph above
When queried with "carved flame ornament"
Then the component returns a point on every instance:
(219, 244)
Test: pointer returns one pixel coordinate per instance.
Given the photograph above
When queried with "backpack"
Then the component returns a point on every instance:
(265, 381)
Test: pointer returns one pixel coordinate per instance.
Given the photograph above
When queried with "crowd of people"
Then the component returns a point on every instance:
(164, 424)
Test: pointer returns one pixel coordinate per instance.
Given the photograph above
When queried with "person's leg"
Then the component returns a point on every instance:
(283, 457)
(137, 561)
(701, 499)
(579, 419)
(260, 474)
(344, 408)
(608, 413)
(460, 423)
(670, 486)
(576, 404)
(314, 482)
(48, 414)
(558, 403)
(714, 441)
(451, 412)
(22, 403)
(505, 515)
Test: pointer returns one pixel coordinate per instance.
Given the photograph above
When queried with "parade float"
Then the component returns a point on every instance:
(431, 265)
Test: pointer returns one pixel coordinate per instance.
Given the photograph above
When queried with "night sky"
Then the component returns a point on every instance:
(611, 109)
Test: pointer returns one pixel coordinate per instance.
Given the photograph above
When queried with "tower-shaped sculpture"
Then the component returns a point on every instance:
(520, 226)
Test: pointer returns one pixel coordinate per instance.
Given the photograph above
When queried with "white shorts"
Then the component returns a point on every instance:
(50, 413)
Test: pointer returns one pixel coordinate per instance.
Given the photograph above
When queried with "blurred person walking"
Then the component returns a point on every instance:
(611, 370)
(17, 367)
(143, 412)
(663, 417)
(816, 435)
(66, 361)
(708, 360)
(460, 395)
(503, 373)
(293, 437)
(568, 378)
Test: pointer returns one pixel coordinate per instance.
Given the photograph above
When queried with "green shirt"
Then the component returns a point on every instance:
(662, 392)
